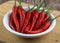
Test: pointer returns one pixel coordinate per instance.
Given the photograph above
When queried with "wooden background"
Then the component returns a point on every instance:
(7, 37)
(51, 3)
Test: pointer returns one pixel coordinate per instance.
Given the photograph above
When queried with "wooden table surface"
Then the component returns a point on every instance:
(7, 37)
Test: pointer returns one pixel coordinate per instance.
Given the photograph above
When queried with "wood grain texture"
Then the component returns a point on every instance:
(7, 37)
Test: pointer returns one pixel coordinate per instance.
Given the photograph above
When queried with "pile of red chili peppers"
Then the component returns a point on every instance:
(29, 22)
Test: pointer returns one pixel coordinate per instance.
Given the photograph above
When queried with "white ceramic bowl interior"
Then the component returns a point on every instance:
(6, 25)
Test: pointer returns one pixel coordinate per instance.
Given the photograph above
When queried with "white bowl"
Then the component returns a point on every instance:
(6, 24)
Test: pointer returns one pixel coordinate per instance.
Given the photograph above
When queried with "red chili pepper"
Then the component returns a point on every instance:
(45, 18)
(41, 16)
(27, 28)
(29, 25)
(39, 20)
(11, 23)
(27, 19)
(28, 15)
(20, 21)
(15, 18)
(21, 12)
(44, 27)
(35, 14)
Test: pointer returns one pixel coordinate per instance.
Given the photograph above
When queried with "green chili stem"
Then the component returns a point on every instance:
(45, 5)
(48, 13)
(44, 2)
(39, 6)
(15, 4)
(20, 4)
(28, 5)
(32, 8)
(54, 18)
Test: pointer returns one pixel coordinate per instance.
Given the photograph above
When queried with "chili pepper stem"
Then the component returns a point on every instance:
(38, 7)
(28, 6)
(44, 2)
(32, 9)
(20, 4)
(54, 18)
(45, 5)
(15, 4)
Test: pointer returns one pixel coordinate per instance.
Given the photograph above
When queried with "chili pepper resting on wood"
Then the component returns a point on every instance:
(11, 23)
(14, 12)
(44, 27)
(21, 12)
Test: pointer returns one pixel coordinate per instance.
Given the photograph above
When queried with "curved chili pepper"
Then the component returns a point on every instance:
(21, 12)
(39, 20)
(11, 23)
(41, 16)
(45, 18)
(15, 18)
(29, 24)
(44, 27)
(27, 28)
(28, 15)
(35, 14)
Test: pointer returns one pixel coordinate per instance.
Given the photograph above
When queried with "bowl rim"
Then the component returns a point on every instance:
(22, 34)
